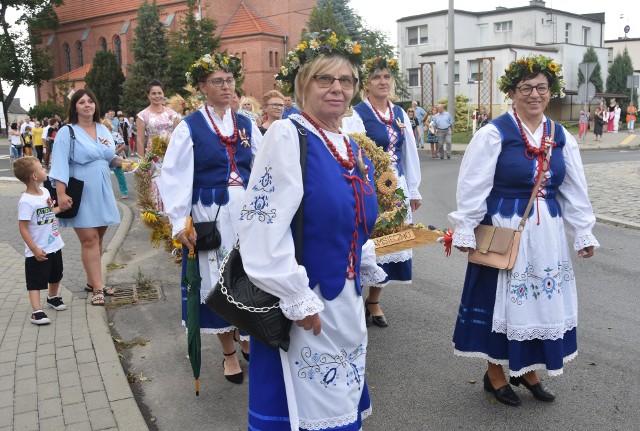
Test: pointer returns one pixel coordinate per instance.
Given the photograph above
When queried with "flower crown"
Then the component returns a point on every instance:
(375, 63)
(209, 63)
(324, 42)
(533, 64)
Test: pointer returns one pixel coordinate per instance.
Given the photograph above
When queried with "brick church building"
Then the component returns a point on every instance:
(259, 32)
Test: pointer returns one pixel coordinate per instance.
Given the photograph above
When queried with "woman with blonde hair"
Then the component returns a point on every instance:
(249, 108)
(273, 104)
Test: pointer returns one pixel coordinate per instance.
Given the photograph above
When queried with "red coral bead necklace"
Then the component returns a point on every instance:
(347, 164)
(389, 121)
(224, 139)
(532, 152)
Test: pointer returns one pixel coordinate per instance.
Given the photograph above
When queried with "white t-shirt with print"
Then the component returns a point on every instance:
(43, 224)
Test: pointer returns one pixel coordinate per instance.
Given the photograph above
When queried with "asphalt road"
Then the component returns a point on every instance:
(416, 382)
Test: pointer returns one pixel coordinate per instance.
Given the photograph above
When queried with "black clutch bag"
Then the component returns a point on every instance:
(74, 187)
(237, 300)
(208, 236)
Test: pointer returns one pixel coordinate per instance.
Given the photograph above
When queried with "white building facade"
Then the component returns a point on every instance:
(494, 39)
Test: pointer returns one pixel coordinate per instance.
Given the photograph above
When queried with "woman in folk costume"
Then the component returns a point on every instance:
(524, 318)
(205, 172)
(319, 383)
(389, 127)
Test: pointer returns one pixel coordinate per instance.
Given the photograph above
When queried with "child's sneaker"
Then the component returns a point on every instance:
(39, 318)
(56, 303)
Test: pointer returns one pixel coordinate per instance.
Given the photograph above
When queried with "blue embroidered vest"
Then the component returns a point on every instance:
(514, 177)
(211, 162)
(329, 218)
(378, 133)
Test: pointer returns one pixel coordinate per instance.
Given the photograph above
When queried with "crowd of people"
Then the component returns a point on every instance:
(244, 173)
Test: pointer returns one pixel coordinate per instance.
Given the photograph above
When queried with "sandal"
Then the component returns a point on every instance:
(98, 299)
(108, 291)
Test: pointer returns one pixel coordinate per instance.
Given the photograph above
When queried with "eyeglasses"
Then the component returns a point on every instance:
(326, 81)
(410, 110)
(219, 82)
(276, 105)
(526, 90)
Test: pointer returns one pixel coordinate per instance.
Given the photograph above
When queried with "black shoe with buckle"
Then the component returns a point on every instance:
(504, 395)
(539, 390)
(233, 378)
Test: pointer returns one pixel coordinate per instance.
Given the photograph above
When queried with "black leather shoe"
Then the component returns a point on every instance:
(233, 378)
(504, 395)
(379, 321)
(539, 390)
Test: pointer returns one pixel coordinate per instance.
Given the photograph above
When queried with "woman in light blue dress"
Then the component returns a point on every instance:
(89, 159)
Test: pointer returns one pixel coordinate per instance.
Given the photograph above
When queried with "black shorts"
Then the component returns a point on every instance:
(40, 273)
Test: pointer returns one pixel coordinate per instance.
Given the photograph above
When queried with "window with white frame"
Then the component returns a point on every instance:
(456, 73)
(504, 26)
(472, 69)
(414, 77)
(567, 32)
(417, 35)
(586, 36)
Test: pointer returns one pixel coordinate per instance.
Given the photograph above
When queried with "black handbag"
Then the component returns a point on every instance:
(237, 300)
(207, 234)
(74, 185)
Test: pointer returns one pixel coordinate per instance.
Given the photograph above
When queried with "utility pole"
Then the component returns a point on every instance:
(451, 88)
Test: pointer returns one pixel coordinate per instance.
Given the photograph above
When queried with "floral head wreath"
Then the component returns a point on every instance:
(375, 63)
(316, 44)
(533, 64)
(209, 63)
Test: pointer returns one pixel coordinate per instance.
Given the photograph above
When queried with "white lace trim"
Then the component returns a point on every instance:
(554, 332)
(392, 282)
(415, 194)
(371, 275)
(516, 373)
(399, 256)
(300, 306)
(586, 240)
(464, 240)
(366, 413)
(320, 424)
(214, 330)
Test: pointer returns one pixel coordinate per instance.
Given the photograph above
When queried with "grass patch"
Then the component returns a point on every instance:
(114, 266)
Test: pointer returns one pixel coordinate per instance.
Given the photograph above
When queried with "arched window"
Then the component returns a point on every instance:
(117, 46)
(271, 59)
(67, 57)
(243, 59)
(79, 54)
(277, 62)
(103, 43)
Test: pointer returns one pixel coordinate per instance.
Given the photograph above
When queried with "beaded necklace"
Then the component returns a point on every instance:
(224, 139)
(530, 151)
(347, 164)
(389, 121)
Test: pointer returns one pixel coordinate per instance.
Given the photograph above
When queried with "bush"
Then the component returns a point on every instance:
(460, 113)
(48, 110)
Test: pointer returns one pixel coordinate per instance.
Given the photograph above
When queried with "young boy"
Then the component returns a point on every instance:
(27, 141)
(38, 226)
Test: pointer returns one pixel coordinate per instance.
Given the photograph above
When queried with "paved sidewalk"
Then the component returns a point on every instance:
(67, 375)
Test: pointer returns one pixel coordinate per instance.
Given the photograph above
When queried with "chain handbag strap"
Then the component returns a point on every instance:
(299, 225)
(230, 298)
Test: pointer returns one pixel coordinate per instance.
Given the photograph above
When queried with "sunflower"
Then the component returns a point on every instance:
(387, 183)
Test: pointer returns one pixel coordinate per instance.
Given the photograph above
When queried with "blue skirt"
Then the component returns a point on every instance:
(397, 271)
(473, 336)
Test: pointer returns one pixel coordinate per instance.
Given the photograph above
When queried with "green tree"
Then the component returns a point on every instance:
(47, 110)
(621, 67)
(323, 16)
(590, 56)
(150, 58)
(347, 17)
(24, 61)
(194, 39)
(105, 80)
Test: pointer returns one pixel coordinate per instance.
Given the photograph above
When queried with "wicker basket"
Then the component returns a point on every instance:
(406, 239)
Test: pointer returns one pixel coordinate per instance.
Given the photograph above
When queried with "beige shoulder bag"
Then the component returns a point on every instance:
(497, 247)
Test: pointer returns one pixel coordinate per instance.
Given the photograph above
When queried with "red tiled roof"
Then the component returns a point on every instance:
(246, 21)
(75, 74)
(86, 9)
